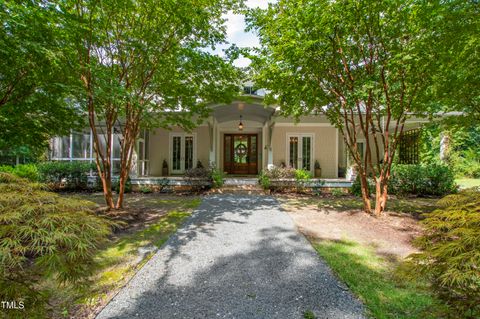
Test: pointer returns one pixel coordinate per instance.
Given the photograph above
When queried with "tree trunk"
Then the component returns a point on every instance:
(381, 195)
(367, 206)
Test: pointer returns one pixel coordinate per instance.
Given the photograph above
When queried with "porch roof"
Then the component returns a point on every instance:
(250, 111)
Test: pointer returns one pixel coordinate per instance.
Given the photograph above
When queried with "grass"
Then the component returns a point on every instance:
(468, 182)
(123, 256)
(372, 279)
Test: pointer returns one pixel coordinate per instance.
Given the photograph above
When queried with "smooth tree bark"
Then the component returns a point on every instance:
(363, 64)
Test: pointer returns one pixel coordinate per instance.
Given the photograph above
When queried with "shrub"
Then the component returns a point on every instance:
(450, 256)
(66, 175)
(217, 178)
(421, 180)
(433, 179)
(145, 190)
(44, 236)
(199, 178)
(277, 174)
(264, 179)
(116, 185)
(356, 188)
(28, 171)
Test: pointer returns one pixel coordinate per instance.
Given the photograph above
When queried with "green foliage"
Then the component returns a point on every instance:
(340, 58)
(463, 154)
(145, 190)
(116, 185)
(282, 178)
(28, 171)
(264, 179)
(302, 175)
(63, 175)
(33, 80)
(422, 180)
(450, 254)
(434, 179)
(44, 235)
(356, 188)
(217, 178)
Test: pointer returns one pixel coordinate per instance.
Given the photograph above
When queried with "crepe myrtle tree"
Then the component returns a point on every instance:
(138, 61)
(362, 63)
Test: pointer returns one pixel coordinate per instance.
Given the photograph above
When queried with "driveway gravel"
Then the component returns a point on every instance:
(238, 256)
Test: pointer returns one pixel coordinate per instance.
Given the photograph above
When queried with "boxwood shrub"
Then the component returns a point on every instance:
(420, 180)
(66, 175)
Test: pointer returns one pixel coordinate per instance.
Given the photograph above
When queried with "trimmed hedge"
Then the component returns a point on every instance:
(421, 180)
(66, 175)
(433, 179)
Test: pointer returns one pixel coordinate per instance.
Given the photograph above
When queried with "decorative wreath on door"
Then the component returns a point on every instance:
(241, 150)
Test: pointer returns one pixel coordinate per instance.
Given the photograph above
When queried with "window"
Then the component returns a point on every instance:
(182, 152)
(408, 147)
(61, 147)
(142, 153)
(81, 145)
(361, 149)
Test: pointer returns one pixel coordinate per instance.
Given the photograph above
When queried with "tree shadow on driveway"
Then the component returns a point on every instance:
(237, 257)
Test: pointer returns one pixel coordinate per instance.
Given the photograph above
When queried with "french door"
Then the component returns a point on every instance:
(182, 152)
(299, 151)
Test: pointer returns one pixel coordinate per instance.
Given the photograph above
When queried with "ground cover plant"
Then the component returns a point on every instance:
(44, 237)
(450, 253)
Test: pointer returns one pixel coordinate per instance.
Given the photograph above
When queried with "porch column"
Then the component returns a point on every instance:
(270, 150)
(212, 130)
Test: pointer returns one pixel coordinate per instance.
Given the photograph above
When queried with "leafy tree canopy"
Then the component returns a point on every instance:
(32, 91)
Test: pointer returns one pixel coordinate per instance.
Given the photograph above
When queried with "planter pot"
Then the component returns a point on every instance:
(164, 171)
(318, 172)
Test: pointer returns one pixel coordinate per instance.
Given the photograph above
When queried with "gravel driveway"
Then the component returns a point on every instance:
(238, 256)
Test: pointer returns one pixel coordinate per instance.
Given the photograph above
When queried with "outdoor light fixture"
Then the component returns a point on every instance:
(240, 125)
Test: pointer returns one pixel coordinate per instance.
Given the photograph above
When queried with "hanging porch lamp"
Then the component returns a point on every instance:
(240, 125)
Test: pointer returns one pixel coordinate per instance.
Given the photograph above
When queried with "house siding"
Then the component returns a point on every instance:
(325, 146)
(159, 147)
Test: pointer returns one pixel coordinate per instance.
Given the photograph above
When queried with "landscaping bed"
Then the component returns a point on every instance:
(364, 250)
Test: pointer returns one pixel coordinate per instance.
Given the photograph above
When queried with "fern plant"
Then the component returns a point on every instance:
(450, 256)
(44, 237)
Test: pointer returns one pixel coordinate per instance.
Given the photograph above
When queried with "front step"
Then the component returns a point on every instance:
(239, 189)
(238, 181)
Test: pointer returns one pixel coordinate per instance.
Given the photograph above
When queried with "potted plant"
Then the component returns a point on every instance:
(318, 169)
(165, 168)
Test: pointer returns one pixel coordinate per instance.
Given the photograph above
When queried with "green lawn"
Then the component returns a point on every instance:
(468, 182)
(124, 255)
(371, 278)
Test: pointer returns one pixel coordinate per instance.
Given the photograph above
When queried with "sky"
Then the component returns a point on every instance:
(236, 31)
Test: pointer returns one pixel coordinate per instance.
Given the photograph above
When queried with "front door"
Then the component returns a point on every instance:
(240, 154)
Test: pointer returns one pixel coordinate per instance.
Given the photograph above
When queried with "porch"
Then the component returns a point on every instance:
(179, 181)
